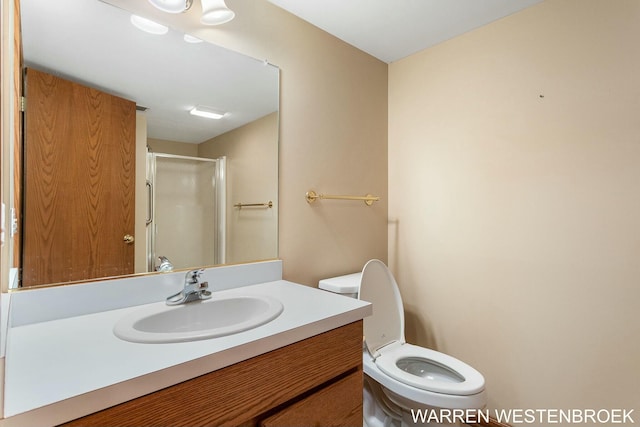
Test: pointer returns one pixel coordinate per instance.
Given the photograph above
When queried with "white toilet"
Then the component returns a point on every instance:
(401, 377)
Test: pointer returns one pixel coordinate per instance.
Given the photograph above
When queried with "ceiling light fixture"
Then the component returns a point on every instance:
(148, 25)
(207, 112)
(172, 6)
(215, 12)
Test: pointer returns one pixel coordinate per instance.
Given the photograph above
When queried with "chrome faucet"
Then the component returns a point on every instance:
(194, 289)
(164, 264)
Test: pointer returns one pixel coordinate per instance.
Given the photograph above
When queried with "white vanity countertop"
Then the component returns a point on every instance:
(63, 369)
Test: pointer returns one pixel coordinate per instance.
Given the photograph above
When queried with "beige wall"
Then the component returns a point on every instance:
(333, 135)
(173, 147)
(514, 174)
(333, 139)
(252, 233)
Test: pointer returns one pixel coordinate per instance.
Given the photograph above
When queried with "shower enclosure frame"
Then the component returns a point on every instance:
(220, 200)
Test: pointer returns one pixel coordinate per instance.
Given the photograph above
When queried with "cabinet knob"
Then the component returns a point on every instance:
(128, 239)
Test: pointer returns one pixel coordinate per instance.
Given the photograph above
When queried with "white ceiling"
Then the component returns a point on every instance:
(393, 29)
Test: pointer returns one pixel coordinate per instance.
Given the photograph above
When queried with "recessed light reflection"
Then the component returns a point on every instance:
(191, 39)
(148, 26)
(207, 112)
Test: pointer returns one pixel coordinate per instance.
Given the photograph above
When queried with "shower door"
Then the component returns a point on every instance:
(186, 219)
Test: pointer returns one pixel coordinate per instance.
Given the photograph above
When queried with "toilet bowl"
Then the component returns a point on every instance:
(409, 377)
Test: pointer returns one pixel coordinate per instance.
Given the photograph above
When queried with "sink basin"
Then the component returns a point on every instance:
(200, 320)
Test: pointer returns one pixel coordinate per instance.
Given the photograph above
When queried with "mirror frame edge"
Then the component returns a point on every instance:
(7, 98)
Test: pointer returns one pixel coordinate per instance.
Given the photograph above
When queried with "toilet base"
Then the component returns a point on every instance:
(377, 411)
(383, 408)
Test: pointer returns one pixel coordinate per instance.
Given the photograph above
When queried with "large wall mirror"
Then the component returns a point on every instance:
(118, 177)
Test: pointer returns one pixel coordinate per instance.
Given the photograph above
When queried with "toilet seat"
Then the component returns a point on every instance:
(384, 339)
(447, 374)
(408, 396)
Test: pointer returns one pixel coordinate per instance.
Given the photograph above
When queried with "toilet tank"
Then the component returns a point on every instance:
(347, 285)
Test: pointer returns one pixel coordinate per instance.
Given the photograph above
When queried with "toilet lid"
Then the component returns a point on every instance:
(386, 325)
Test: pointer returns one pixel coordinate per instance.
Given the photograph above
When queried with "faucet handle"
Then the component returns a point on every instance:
(193, 276)
(193, 289)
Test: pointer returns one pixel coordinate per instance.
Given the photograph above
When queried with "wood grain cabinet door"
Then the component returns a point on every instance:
(79, 182)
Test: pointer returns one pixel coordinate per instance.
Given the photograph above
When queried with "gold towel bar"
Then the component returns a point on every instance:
(368, 200)
(269, 204)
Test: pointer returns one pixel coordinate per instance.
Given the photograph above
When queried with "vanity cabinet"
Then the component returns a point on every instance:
(338, 404)
(316, 381)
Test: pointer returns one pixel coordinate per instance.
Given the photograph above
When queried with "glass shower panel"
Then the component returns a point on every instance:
(186, 223)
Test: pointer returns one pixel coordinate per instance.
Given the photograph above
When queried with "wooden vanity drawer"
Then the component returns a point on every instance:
(339, 404)
(243, 393)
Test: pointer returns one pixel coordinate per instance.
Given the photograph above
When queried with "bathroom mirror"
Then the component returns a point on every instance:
(95, 44)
